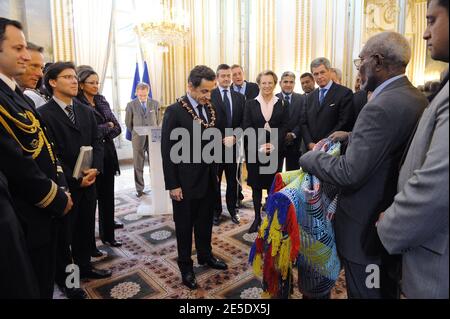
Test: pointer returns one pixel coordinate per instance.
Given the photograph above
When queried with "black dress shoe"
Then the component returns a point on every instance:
(73, 293)
(216, 220)
(189, 280)
(95, 273)
(214, 263)
(255, 226)
(96, 253)
(118, 225)
(235, 218)
(114, 243)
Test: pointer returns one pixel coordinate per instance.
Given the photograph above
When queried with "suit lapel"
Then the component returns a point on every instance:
(220, 105)
(15, 97)
(234, 107)
(316, 106)
(291, 106)
(329, 97)
(62, 116)
(138, 105)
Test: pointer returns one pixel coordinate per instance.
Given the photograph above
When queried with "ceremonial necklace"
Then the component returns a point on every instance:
(196, 117)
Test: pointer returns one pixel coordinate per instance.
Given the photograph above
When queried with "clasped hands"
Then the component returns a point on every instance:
(229, 141)
(176, 194)
(89, 178)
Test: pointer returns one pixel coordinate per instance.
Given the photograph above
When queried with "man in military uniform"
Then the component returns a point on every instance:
(28, 160)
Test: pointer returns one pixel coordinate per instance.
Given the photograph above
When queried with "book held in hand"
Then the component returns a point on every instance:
(84, 161)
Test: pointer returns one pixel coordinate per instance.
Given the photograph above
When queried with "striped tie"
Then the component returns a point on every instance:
(70, 113)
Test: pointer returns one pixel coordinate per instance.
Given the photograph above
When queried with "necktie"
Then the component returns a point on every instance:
(144, 107)
(227, 103)
(322, 95)
(239, 88)
(200, 113)
(287, 99)
(70, 113)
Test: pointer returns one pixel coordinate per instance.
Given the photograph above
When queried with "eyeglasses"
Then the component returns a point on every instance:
(92, 83)
(69, 77)
(358, 62)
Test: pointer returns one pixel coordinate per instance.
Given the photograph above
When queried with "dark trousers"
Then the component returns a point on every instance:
(356, 276)
(232, 188)
(17, 276)
(257, 199)
(194, 215)
(105, 196)
(77, 231)
(43, 259)
(292, 155)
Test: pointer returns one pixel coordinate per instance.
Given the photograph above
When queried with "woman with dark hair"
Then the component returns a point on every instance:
(266, 112)
(108, 129)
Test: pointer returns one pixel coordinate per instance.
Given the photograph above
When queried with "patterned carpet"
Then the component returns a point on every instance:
(145, 266)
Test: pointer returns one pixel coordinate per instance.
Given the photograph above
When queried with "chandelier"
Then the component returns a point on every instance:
(165, 26)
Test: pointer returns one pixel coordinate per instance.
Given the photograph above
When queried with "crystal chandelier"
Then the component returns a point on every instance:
(165, 26)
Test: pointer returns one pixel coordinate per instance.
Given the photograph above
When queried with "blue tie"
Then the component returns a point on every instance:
(322, 95)
(144, 107)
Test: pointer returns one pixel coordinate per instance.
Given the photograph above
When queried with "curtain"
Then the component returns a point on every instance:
(92, 29)
(62, 30)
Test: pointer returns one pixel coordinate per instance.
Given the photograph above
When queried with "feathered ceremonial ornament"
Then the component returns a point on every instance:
(297, 231)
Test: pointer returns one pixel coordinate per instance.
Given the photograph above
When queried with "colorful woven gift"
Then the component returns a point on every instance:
(297, 230)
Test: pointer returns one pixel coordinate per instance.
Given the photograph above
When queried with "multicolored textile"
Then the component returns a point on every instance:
(297, 231)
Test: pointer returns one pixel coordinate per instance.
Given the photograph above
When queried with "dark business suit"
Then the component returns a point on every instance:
(17, 278)
(292, 151)
(33, 183)
(198, 182)
(69, 137)
(230, 169)
(105, 181)
(359, 100)
(335, 114)
(251, 90)
(254, 119)
(367, 176)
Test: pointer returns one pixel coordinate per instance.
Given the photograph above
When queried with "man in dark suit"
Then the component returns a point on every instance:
(328, 109)
(73, 125)
(367, 173)
(294, 102)
(192, 181)
(28, 161)
(308, 84)
(230, 113)
(249, 89)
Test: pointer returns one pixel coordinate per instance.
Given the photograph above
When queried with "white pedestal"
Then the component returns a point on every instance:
(159, 202)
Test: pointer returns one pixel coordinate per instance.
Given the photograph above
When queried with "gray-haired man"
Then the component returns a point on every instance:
(142, 111)
(367, 173)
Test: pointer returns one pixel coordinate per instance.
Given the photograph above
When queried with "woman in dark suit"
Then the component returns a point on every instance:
(108, 129)
(266, 112)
